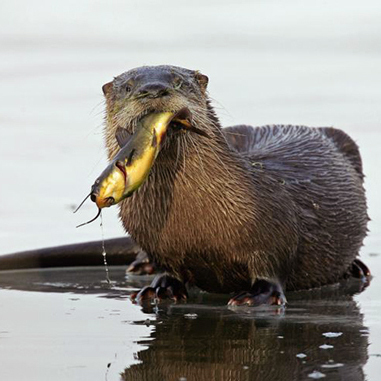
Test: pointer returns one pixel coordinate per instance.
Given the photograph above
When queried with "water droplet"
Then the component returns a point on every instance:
(190, 316)
(104, 253)
(316, 375)
(332, 366)
(332, 334)
(326, 346)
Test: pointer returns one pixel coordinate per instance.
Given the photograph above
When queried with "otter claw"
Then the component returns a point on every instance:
(262, 292)
(146, 293)
(141, 265)
(162, 287)
(360, 270)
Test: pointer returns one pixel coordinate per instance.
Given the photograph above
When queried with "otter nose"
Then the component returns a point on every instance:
(153, 90)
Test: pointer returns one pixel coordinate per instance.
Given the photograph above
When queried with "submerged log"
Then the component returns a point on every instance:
(120, 251)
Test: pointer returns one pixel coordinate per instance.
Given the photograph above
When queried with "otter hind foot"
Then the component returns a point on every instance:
(262, 292)
(142, 265)
(360, 270)
(162, 287)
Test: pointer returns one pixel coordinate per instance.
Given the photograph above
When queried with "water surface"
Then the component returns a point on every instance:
(76, 325)
(316, 63)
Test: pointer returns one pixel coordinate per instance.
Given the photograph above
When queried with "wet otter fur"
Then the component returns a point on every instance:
(278, 204)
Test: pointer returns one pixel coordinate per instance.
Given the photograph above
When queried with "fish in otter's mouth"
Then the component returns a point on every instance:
(132, 164)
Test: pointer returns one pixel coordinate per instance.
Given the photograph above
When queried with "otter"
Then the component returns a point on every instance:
(253, 211)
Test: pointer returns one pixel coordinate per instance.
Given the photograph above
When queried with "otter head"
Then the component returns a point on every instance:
(152, 89)
(148, 110)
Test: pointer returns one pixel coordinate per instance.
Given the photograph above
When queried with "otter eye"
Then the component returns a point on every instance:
(128, 86)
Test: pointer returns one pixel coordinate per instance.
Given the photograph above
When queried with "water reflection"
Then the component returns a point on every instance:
(206, 342)
(76, 280)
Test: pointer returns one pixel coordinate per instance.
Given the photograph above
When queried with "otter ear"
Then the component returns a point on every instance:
(202, 80)
(107, 88)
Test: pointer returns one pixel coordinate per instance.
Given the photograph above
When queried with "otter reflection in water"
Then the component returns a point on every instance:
(243, 210)
(247, 344)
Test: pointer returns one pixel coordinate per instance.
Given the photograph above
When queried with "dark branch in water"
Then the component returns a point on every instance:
(75, 211)
(89, 222)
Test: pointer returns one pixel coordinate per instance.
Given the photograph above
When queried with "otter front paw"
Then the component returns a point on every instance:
(262, 292)
(162, 287)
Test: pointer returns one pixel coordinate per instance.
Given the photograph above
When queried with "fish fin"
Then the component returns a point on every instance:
(129, 160)
(122, 136)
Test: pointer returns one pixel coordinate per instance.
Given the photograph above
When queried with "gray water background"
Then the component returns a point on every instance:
(316, 63)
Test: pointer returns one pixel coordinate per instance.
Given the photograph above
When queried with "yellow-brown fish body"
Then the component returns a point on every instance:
(132, 164)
